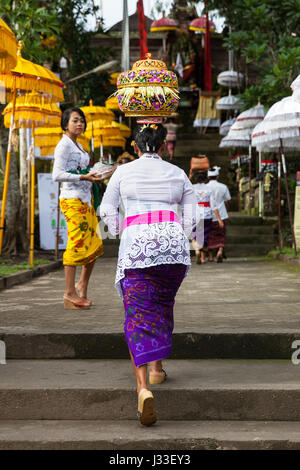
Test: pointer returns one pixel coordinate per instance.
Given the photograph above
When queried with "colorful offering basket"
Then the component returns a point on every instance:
(149, 89)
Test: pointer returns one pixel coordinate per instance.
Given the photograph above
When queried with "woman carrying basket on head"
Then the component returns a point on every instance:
(154, 254)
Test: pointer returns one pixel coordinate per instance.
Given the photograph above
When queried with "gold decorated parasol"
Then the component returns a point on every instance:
(149, 89)
(93, 113)
(125, 130)
(32, 110)
(112, 103)
(8, 48)
(113, 142)
(100, 129)
(26, 76)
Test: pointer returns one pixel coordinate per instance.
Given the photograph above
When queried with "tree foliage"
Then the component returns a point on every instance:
(266, 34)
(55, 28)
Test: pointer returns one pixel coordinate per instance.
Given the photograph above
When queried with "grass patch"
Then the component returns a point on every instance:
(285, 251)
(7, 267)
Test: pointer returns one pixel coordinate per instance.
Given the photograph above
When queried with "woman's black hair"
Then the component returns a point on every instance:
(150, 137)
(201, 177)
(66, 117)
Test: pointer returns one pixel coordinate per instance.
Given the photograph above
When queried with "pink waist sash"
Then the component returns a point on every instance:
(150, 218)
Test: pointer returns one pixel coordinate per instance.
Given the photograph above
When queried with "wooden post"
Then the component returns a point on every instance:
(279, 202)
(32, 161)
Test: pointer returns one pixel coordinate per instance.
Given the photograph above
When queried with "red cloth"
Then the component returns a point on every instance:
(207, 58)
(142, 30)
(217, 235)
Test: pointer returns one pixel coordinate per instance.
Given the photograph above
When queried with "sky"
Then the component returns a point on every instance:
(113, 11)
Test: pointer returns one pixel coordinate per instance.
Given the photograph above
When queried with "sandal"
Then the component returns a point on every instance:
(157, 379)
(220, 258)
(87, 302)
(70, 304)
(146, 412)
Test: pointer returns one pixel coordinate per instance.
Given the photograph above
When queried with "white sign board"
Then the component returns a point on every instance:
(48, 199)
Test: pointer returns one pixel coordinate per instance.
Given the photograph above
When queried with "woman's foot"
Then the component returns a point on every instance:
(198, 258)
(219, 256)
(81, 291)
(146, 411)
(156, 378)
(74, 302)
(156, 373)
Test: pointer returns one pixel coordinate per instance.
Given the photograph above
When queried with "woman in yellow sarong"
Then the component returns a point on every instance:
(71, 167)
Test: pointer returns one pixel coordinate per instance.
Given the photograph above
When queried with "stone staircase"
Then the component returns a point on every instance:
(249, 235)
(68, 382)
(207, 405)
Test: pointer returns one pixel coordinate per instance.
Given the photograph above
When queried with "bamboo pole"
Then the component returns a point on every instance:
(28, 184)
(279, 202)
(32, 160)
(7, 167)
(260, 186)
(250, 174)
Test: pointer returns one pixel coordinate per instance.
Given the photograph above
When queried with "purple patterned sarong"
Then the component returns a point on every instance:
(149, 296)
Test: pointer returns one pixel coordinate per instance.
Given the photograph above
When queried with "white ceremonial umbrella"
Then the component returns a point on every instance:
(238, 137)
(229, 102)
(249, 119)
(278, 131)
(225, 126)
(229, 78)
(252, 116)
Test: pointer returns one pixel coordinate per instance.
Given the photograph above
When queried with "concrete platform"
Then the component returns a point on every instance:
(194, 390)
(164, 435)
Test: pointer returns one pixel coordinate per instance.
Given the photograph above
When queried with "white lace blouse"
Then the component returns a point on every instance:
(67, 156)
(146, 185)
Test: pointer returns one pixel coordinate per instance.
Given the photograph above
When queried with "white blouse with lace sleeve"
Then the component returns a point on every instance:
(69, 157)
(146, 185)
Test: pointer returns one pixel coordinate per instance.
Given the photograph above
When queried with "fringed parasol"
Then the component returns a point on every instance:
(93, 113)
(279, 131)
(251, 117)
(229, 102)
(225, 126)
(199, 24)
(26, 76)
(8, 48)
(112, 103)
(230, 78)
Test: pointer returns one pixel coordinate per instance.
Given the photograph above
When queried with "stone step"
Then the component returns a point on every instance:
(253, 238)
(234, 250)
(266, 230)
(236, 218)
(164, 435)
(106, 390)
(209, 344)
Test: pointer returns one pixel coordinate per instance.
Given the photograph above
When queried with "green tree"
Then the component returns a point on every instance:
(265, 34)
